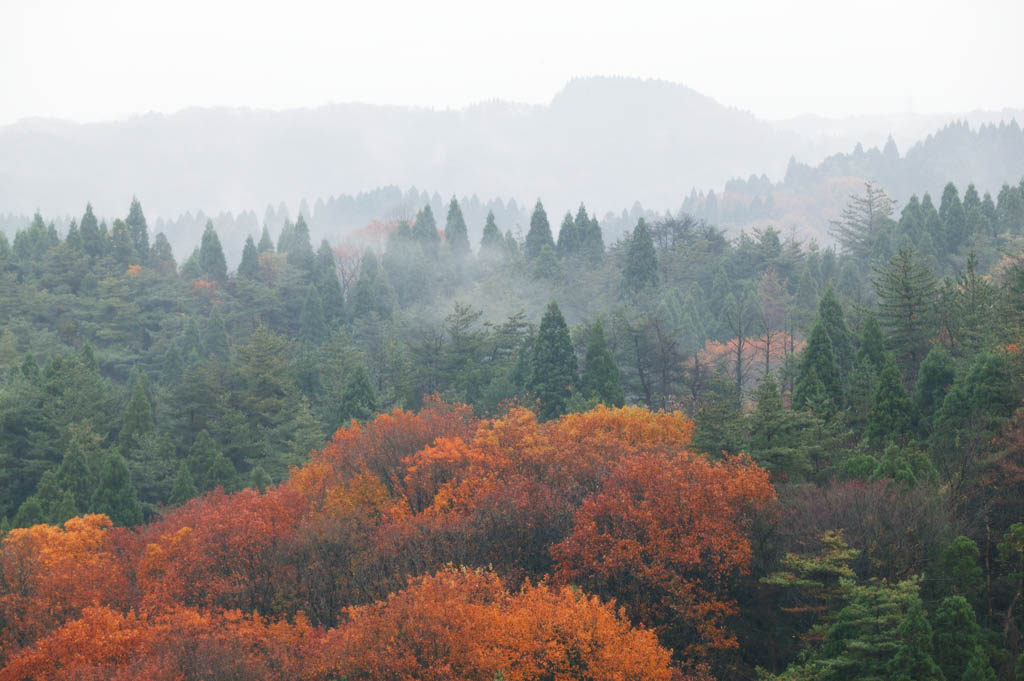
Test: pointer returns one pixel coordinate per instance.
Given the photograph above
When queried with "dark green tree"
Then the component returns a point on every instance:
(358, 400)
(539, 235)
(138, 230)
(115, 494)
(954, 635)
(161, 258)
(138, 416)
(266, 244)
(913, 660)
(455, 233)
(892, 413)
(954, 223)
(641, 269)
(249, 268)
(872, 347)
(830, 312)
(817, 367)
(424, 230)
(492, 243)
(906, 293)
(92, 240)
(217, 344)
(933, 382)
(212, 265)
(300, 248)
(553, 369)
(325, 278)
(184, 486)
(568, 237)
(312, 321)
(601, 379)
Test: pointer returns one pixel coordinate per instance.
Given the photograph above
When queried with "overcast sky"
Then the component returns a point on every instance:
(102, 59)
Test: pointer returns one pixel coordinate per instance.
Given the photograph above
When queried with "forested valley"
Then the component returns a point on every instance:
(675, 455)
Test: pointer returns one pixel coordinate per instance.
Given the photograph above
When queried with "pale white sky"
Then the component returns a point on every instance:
(102, 59)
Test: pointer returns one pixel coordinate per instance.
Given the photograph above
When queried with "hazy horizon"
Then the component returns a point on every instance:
(776, 63)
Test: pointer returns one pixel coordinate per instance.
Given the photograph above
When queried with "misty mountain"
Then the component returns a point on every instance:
(606, 141)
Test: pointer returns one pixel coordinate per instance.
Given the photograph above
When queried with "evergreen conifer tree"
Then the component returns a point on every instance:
(357, 400)
(184, 486)
(954, 223)
(817, 366)
(933, 382)
(138, 416)
(455, 233)
(492, 243)
(892, 412)
(216, 336)
(641, 268)
(300, 249)
(249, 268)
(260, 480)
(312, 322)
(568, 238)
(830, 312)
(161, 257)
(115, 494)
(89, 228)
(553, 369)
(212, 265)
(539, 235)
(601, 378)
(913, 660)
(424, 230)
(872, 348)
(138, 231)
(325, 277)
(266, 244)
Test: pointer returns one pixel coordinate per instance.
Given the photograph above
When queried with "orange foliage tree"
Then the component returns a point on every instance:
(49, 574)
(463, 624)
(665, 536)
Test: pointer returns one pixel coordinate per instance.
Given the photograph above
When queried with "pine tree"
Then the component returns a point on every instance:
(115, 494)
(553, 369)
(593, 241)
(65, 508)
(300, 249)
(249, 268)
(906, 295)
(312, 322)
(568, 237)
(202, 456)
(75, 473)
(455, 233)
(892, 412)
(933, 382)
(260, 480)
(913, 660)
(357, 400)
(266, 244)
(863, 222)
(92, 241)
(830, 312)
(539, 235)
(954, 223)
(325, 277)
(978, 667)
(872, 347)
(192, 342)
(641, 268)
(218, 345)
(424, 230)
(492, 243)
(601, 379)
(138, 416)
(184, 486)
(212, 265)
(818, 366)
(161, 258)
(221, 473)
(138, 231)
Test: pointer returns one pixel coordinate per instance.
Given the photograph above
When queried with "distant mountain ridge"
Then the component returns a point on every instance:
(608, 142)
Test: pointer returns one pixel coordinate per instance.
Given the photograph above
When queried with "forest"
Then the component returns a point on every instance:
(671, 455)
